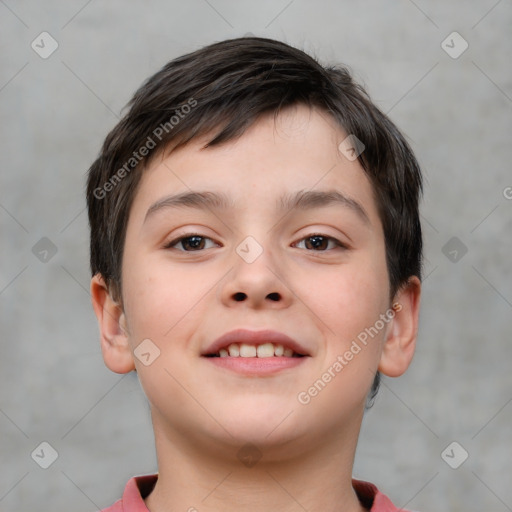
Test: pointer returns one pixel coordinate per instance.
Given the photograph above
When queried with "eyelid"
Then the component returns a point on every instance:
(177, 239)
(339, 243)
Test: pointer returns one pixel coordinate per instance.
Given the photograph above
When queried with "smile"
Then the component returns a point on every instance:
(263, 350)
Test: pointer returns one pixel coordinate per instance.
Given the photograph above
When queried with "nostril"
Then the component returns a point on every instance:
(240, 296)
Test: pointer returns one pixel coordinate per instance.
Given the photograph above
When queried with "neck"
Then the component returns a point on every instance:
(195, 476)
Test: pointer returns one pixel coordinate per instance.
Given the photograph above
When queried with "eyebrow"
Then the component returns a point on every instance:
(301, 200)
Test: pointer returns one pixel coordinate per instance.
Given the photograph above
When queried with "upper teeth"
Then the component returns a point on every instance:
(263, 350)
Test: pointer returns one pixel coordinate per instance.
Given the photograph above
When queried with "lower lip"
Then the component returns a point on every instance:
(257, 365)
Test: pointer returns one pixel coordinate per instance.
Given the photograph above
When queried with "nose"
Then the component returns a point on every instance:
(256, 283)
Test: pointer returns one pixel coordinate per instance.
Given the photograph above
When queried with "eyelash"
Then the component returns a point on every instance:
(176, 241)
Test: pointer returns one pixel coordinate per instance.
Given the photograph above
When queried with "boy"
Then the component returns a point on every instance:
(256, 256)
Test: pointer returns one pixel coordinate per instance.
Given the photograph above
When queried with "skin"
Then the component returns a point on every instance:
(182, 300)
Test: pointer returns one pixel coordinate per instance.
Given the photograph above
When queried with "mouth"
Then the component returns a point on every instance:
(256, 353)
(261, 344)
(261, 350)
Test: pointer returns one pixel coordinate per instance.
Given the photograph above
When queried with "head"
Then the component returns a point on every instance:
(197, 123)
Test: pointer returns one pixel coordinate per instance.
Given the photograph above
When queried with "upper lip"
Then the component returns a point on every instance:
(254, 338)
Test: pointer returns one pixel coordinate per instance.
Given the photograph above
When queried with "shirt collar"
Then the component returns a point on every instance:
(139, 488)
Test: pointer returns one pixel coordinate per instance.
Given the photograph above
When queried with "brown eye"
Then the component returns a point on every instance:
(189, 243)
(320, 243)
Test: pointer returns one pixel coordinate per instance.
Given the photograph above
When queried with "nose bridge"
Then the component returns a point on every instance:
(256, 277)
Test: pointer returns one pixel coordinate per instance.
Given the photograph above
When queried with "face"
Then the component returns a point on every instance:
(313, 270)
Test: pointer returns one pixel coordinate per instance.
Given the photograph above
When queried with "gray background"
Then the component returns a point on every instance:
(55, 113)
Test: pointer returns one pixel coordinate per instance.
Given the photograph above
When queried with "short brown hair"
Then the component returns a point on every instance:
(223, 89)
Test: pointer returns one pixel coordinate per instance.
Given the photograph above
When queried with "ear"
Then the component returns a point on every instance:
(115, 347)
(402, 331)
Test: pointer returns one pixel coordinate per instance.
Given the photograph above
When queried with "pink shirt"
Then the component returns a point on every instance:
(139, 487)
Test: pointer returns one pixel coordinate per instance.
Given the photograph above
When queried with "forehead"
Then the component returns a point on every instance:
(275, 161)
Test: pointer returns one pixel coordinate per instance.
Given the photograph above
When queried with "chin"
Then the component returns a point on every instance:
(260, 422)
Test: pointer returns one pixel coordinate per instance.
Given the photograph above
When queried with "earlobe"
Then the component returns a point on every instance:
(114, 340)
(400, 341)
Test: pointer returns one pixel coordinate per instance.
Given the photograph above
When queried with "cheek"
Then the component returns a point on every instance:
(159, 298)
(349, 312)
(351, 297)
